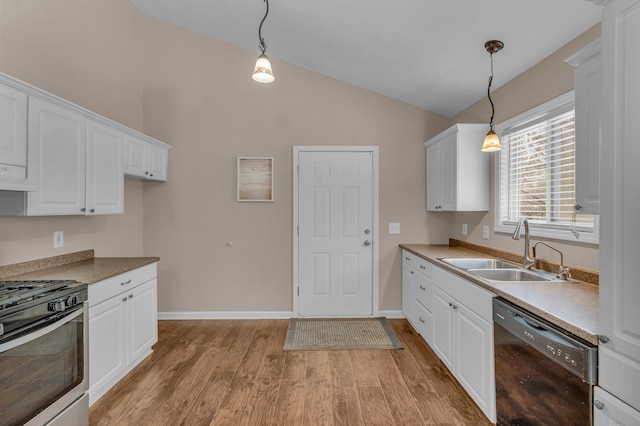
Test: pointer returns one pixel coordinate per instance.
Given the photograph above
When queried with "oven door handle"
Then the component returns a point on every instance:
(40, 332)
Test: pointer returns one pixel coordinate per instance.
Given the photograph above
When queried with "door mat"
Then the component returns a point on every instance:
(340, 333)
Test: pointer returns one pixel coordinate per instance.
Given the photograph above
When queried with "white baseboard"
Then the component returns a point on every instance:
(215, 315)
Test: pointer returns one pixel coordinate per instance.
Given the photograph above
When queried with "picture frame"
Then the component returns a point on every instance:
(255, 179)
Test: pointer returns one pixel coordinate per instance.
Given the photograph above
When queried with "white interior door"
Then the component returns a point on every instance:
(335, 233)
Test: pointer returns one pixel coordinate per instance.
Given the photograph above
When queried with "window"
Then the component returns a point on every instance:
(536, 173)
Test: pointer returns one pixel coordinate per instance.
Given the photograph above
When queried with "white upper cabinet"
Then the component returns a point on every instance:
(13, 140)
(56, 159)
(146, 159)
(457, 171)
(105, 169)
(588, 93)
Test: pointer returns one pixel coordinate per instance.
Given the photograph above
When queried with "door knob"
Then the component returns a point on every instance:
(367, 242)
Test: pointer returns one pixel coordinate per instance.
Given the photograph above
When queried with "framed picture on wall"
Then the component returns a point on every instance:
(255, 179)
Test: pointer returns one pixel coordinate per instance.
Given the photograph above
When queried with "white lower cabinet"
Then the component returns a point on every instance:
(610, 411)
(463, 336)
(416, 293)
(123, 326)
(455, 317)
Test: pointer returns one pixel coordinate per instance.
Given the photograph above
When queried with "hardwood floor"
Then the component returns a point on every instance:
(236, 373)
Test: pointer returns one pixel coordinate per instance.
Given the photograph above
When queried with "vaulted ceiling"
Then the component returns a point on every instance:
(428, 53)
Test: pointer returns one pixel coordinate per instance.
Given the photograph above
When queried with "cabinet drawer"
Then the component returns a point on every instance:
(469, 294)
(106, 289)
(423, 321)
(423, 291)
(417, 263)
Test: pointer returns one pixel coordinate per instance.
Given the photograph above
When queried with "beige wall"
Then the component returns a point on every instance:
(196, 94)
(200, 98)
(87, 52)
(544, 81)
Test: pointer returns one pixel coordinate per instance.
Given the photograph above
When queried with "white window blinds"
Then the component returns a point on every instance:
(537, 171)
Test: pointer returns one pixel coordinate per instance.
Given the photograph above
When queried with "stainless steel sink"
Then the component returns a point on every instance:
(510, 275)
(478, 263)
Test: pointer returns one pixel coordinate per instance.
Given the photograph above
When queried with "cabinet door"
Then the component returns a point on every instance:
(474, 359)
(448, 171)
(588, 93)
(444, 338)
(142, 320)
(107, 352)
(158, 163)
(105, 170)
(136, 157)
(610, 411)
(13, 126)
(433, 177)
(619, 316)
(56, 159)
(407, 291)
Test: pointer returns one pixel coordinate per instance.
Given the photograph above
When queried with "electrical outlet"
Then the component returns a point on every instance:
(464, 229)
(485, 232)
(394, 228)
(58, 239)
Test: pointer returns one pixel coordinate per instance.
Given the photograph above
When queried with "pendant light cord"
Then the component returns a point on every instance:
(489, 93)
(263, 46)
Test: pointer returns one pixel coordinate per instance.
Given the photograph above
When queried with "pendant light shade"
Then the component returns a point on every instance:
(491, 141)
(263, 73)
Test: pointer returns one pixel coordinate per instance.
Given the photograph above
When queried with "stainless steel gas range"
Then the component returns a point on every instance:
(43, 353)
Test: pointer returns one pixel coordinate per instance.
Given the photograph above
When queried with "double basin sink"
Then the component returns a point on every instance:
(499, 270)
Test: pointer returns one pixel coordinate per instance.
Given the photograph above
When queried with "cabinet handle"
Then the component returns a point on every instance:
(126, 282)
(604, 339)
(124, 299)
(421, 320)
(455, 306)
(422, 288)
(577, 207)
(598, 404)
(83, 209)
(450, 304)
(92, 210)
(422, 267)
(131, 296)
(406, 258)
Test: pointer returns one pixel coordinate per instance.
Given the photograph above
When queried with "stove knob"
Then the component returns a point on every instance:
(72, 300)
(59, 306)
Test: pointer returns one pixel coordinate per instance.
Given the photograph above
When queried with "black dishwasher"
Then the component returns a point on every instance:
(543, 375)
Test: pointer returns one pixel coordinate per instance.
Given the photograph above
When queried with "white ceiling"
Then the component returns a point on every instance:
(428, 53)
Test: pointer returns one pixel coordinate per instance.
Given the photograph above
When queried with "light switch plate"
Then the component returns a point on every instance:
(394, 228)
(58, 239)
(485, 232)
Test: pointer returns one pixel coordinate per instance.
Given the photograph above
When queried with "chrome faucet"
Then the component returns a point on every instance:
(563, 271)
(527, 262)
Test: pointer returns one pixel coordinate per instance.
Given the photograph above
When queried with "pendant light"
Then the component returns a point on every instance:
(262, 72)
(491, 141)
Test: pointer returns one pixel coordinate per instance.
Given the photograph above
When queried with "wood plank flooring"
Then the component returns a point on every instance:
(236, 373)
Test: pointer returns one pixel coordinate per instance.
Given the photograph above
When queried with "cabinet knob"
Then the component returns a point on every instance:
(83, 209)
(131, 296)
(411, 272)
(598, 404)
(367, 242)
(146, 173)
(604, 339)
(151, 174)
(92, 210)
(577, 207)
(455, 306)
(124, 299)
(450, 304)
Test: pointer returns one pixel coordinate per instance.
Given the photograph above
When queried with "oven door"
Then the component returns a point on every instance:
(44, 371)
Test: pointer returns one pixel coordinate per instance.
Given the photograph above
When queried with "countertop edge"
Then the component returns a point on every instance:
(590, 336)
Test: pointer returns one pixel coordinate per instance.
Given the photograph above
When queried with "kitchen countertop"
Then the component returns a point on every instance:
(81, 266)
(572, 306)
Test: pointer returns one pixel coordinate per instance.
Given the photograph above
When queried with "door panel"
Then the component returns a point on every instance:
(335, 208)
